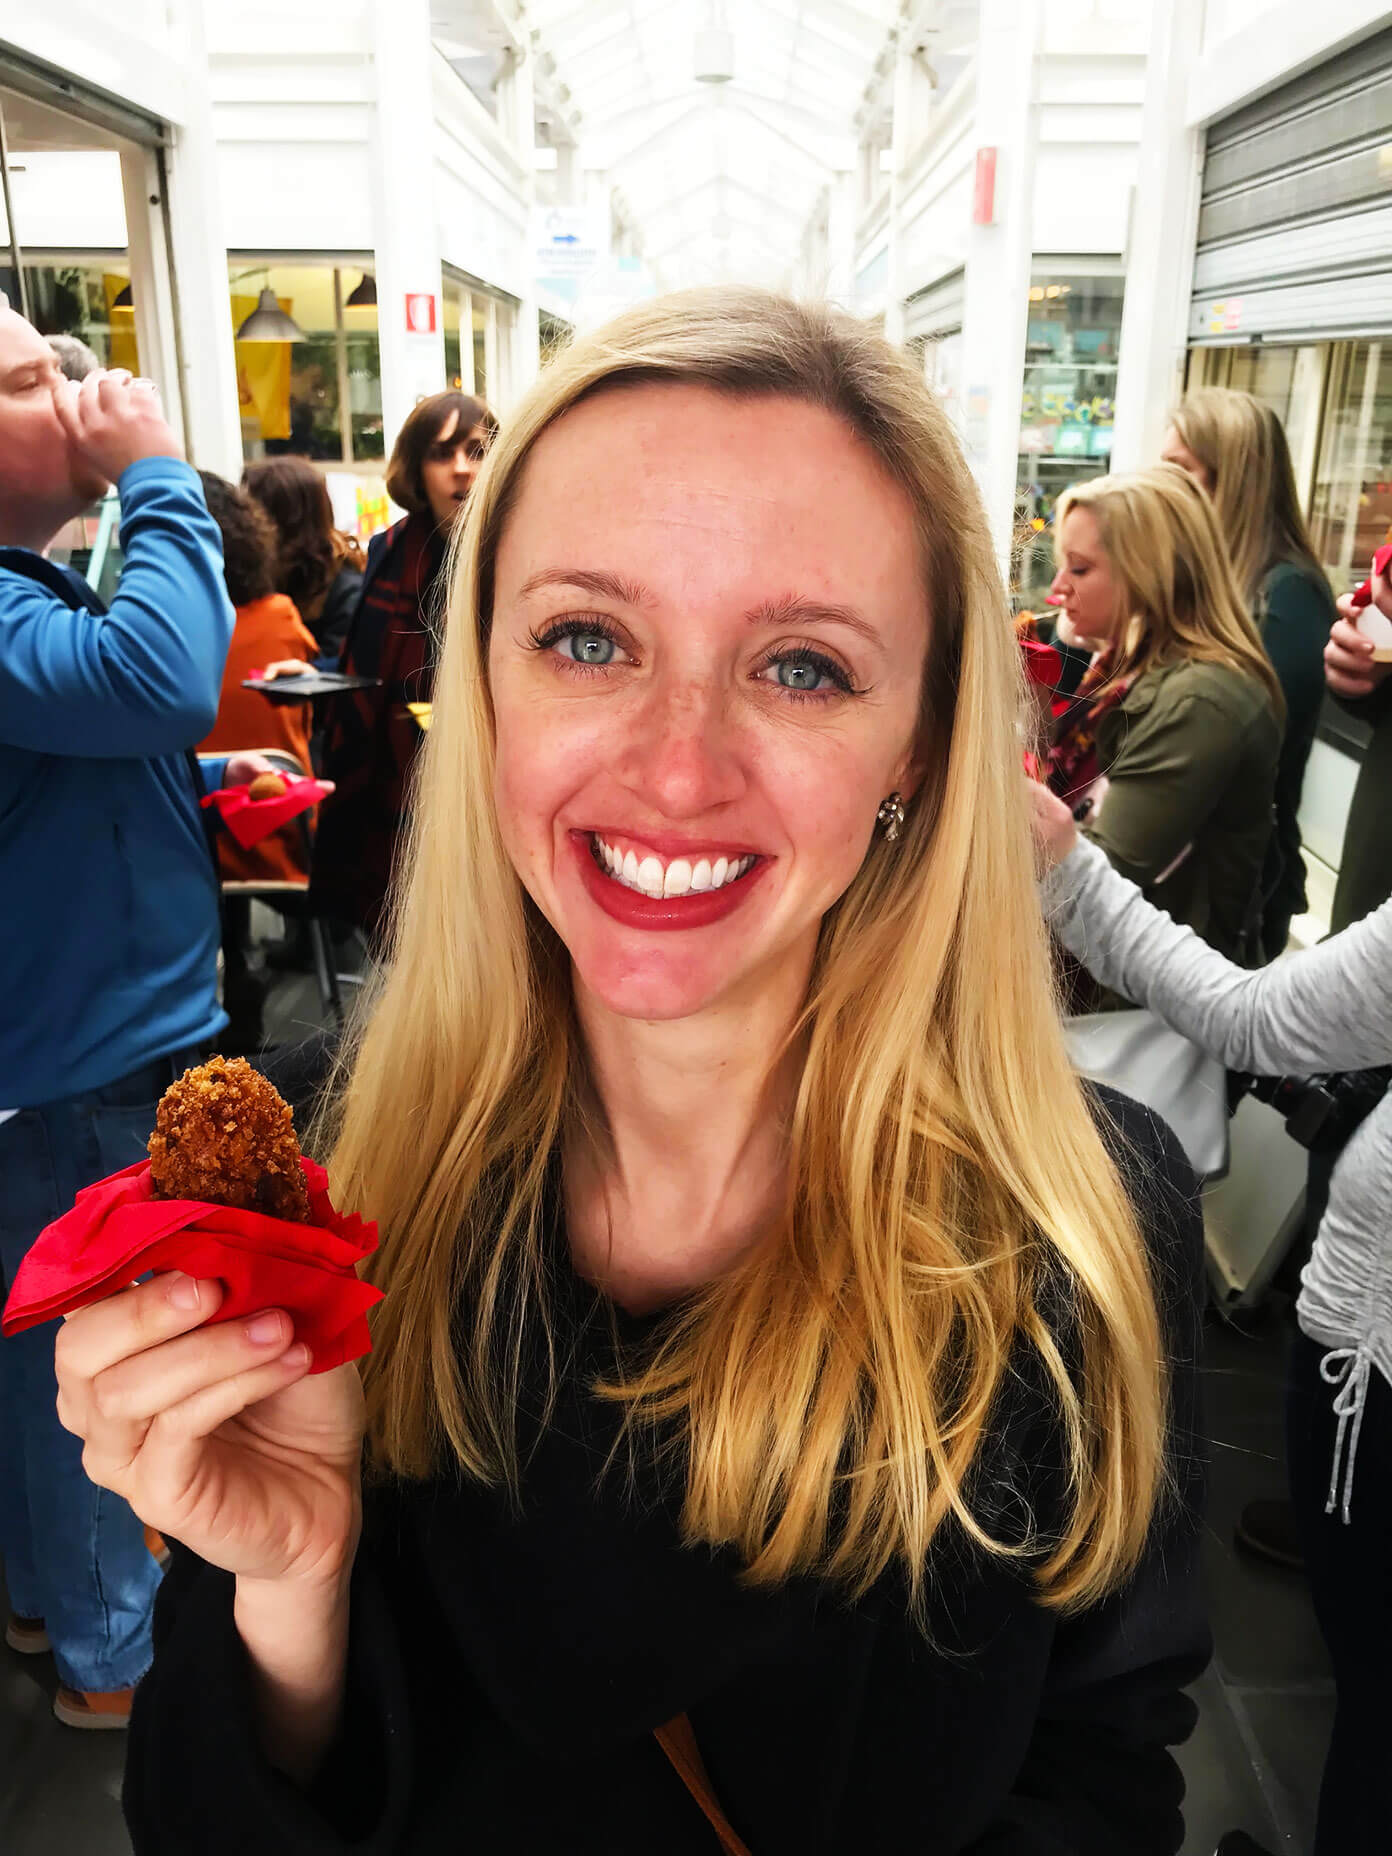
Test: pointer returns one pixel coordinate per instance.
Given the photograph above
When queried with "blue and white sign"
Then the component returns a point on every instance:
(570, 242)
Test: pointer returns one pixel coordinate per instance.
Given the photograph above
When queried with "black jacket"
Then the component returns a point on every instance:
(506, 1669)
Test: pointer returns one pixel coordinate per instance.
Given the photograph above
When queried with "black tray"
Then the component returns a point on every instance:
(312, 683)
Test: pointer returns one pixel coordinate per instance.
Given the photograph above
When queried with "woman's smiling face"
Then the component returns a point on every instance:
(706, 658)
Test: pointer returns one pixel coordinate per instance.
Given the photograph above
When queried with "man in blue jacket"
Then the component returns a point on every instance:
(108, 931)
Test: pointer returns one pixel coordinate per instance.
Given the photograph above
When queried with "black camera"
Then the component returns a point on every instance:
(1321, 1111)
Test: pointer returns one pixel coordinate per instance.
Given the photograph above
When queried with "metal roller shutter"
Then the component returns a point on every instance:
(1295, 217)
(936, 309)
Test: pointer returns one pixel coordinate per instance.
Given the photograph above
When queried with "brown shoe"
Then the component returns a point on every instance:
(155, 1543)
(27, 1635)
(92, 1709)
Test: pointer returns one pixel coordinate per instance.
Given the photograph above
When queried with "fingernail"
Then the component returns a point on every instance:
(298, 1355)
(265, 1328)
(182, 1291)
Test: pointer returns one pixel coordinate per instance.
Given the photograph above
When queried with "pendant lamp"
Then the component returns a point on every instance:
(364, 296)
(268, 322)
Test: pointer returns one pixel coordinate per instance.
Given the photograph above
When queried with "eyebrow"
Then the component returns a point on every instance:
(591, 580)
(789, 609)
(792, 609)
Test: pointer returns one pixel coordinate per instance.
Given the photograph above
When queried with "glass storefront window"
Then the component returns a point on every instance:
(1351, 508)
(1067, 408)
(1288, 380)
(451, 314)
(83, 298)
(482, 346)
(552, 335)
(477, 327)
(942, 369)
(320, 397)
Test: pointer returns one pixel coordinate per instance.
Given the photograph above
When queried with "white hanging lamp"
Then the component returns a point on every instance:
(715, 48)
(268, 322)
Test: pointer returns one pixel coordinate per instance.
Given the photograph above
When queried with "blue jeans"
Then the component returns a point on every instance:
(74, 1554)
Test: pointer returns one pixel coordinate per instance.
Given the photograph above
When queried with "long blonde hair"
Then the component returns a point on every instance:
(946, 1177)
(1242, 445)
(1175, 580)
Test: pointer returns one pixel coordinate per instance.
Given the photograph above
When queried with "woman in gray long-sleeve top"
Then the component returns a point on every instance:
(1329, 1008)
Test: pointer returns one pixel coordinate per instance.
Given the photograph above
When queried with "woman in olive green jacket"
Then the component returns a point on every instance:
(1235, 449)
(1185, 706)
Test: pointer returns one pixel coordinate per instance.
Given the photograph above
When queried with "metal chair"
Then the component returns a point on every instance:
(330, 996)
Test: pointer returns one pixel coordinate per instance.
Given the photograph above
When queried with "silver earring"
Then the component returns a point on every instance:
(890, 818)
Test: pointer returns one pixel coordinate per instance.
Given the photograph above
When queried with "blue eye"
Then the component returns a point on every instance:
(586, 647)
(807, 673)
(794, 675)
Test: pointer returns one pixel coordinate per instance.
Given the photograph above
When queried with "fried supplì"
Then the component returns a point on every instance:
(224, 1135)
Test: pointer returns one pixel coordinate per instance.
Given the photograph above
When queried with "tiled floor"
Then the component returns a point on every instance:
(1265, 1702)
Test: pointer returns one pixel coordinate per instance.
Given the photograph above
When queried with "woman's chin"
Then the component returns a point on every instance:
(655, 990)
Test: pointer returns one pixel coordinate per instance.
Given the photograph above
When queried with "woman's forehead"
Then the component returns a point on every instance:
(709, 468)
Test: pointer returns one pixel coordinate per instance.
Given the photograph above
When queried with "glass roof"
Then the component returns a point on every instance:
(720, 177)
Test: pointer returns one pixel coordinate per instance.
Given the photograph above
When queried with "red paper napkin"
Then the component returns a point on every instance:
(117, 1231)
(249, 820)
(1382, 560)
(1044, 668)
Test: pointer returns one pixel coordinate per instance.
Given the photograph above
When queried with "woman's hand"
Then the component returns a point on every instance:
(1055, 831)
(217, 1436)
(1349, 669)
(285, 667)
(242, 769)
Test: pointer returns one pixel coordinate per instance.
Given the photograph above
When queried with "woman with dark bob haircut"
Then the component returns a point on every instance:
(321, 568)
(373, 735)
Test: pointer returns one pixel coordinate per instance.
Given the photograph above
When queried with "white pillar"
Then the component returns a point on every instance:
(841, 239)
(152, 280)
(1160, 244)
(406, 237)
(901, 137)
(996, 311)
(193, 348)
(524, 356)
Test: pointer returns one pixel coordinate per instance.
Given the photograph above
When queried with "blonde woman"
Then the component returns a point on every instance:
(1235, 449)
(1187, 709)
(770, 1352)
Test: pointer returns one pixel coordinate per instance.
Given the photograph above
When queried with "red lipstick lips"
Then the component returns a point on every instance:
(634, 910)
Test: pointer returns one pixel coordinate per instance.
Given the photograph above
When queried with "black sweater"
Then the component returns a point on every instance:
(506, 1668)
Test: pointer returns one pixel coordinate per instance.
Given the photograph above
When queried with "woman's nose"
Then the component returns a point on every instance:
(1060, 584)
(683, 754)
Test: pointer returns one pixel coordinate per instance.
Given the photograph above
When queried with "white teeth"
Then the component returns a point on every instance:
(680, 878)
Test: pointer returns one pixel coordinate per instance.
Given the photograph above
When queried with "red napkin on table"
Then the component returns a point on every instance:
(117, 1231)
(249, 820)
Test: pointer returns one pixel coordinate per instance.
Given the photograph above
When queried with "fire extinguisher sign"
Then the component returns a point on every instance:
(420, 312)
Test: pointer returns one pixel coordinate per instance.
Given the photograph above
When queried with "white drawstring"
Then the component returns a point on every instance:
(1348, 1368)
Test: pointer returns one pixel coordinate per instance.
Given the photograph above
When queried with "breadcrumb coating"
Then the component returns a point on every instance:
(224, 1135)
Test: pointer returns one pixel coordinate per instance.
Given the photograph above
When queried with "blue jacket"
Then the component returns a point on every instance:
(108, 896)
